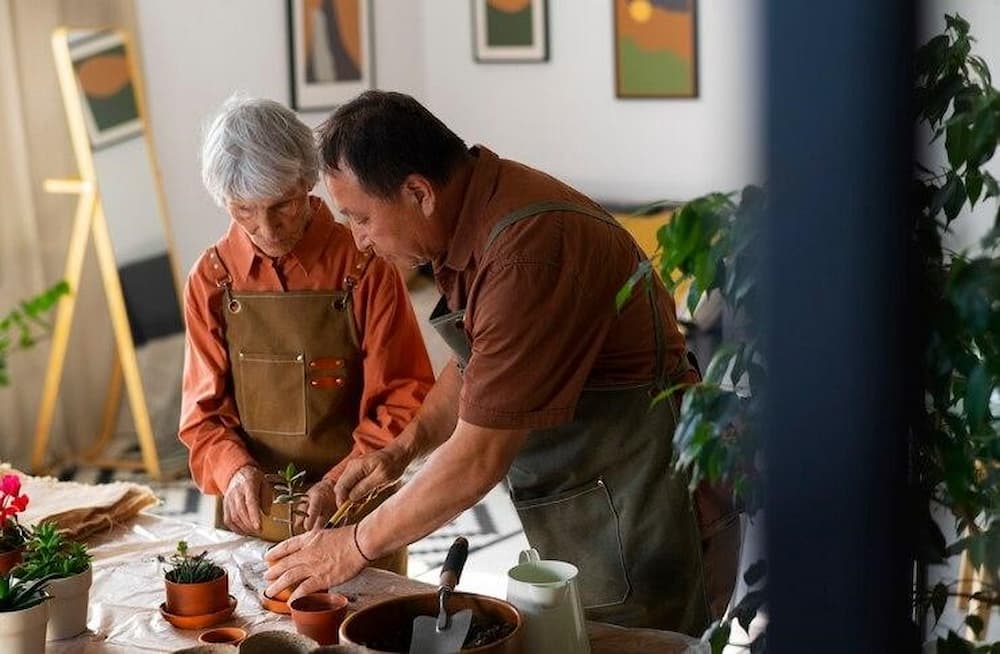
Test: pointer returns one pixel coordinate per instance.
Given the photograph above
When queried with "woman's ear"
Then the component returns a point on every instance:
(419, 190)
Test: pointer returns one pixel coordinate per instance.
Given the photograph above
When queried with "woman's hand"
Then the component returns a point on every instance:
(241, 501)
(321, 504)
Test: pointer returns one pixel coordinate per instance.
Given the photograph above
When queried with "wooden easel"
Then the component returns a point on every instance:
(90, 221)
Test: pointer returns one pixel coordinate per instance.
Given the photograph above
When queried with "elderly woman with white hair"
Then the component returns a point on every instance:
(300, 348)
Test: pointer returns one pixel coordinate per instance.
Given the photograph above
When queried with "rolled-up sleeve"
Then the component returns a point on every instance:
(397, 370)
(209, 424)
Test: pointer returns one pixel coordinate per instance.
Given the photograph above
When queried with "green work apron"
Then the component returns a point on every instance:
(600, 491)
(297, 376)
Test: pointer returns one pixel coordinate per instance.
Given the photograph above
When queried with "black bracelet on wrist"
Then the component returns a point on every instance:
(358, 545)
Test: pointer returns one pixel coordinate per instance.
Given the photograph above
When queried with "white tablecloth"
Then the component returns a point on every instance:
(128, 589)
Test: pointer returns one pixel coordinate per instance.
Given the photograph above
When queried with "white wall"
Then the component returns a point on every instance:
(196, 53)
(984, 20)
(562, 116)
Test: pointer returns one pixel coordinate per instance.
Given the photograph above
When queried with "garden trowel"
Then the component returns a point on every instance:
(445, 633)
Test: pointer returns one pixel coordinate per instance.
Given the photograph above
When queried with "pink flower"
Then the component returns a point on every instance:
(20, 503)
(10, 484)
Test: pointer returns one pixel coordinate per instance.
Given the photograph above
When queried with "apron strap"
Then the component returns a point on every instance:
(223, 280)
(542, 207)
(661, 376)
(350, 281)
(222, 277)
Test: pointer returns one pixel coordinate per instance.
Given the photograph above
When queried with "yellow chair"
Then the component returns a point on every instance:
(643, 229)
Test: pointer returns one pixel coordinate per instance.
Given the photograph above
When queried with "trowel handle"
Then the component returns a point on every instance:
(451, 571)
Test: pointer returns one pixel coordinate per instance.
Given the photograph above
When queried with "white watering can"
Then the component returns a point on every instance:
(545, 592)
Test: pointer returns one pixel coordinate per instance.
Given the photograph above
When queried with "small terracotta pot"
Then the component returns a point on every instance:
(198, 599)
(10, 559)
(318, 616)
(223, 636)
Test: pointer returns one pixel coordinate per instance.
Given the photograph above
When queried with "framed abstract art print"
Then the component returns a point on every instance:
(510, 31)
(331, 55)
(655, 49)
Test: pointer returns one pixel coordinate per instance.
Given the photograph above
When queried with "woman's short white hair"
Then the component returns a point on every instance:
(256, 149)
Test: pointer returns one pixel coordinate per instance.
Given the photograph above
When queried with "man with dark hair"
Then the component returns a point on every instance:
(550, 386)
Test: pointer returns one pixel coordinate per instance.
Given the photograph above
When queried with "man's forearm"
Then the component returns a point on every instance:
(458, 475)
(437, 417)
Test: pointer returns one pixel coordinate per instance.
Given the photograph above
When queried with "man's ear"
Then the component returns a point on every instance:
(419, 190)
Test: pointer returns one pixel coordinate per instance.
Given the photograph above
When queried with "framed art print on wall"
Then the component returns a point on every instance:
(510, 31)
(104, 82)
(656, 48)
(330, 48)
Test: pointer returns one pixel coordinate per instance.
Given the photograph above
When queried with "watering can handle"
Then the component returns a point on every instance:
(528, 556)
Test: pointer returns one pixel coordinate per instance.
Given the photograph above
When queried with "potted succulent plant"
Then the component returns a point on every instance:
(195, 585)
(23, 615)
(12, 534)
(49, 555)
(289, 487)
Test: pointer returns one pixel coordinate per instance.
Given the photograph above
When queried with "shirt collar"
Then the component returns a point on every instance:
(306, 252)
(478, 193)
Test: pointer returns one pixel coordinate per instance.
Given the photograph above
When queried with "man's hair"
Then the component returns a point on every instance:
(383, 137)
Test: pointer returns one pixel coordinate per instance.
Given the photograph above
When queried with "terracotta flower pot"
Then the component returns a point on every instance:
(393, 620)
(198, 599)
(10, 559)
(318, 616)
(223, 636)
(23, 632)
(68, 606)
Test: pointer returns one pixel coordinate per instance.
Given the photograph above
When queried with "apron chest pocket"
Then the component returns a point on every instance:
(581, 526)
(270, 393)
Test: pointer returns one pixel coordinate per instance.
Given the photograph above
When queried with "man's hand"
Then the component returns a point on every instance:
(318, 559)
(370, 472)
(241, 501)
(321, 504)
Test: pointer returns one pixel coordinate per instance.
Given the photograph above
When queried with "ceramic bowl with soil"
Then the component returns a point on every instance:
(387, 627)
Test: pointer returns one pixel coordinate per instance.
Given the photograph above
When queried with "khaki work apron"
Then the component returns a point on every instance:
(600, 491)
(297, 377)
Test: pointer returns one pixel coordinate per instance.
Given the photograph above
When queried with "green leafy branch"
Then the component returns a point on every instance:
(23, 326)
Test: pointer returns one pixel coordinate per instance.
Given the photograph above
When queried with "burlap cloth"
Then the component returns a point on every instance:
(81, 511)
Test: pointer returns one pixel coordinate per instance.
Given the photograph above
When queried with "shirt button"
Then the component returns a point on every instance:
(340, 381)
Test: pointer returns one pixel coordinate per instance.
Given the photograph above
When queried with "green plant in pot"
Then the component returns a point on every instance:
(954, 434)
(23, 615)
(13, 535)
(195, 585)
(49, 555)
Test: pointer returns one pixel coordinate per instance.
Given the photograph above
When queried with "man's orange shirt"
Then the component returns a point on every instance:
(397, 372)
